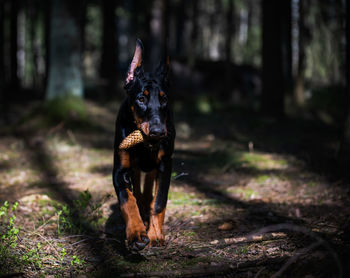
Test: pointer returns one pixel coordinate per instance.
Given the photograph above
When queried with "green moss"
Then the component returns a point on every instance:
(262, 179)
(252, 158)
(189, 233)
(66, 108)
(182, 198)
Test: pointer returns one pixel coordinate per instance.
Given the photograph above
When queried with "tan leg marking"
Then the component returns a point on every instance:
(134, 226)
(124, 159)
(155, 232)
(160, 155)
(148, 192)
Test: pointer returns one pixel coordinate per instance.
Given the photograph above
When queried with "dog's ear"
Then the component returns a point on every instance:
(136, 61)
(163, 69)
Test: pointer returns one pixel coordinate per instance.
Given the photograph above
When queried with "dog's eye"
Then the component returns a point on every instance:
(141, 99)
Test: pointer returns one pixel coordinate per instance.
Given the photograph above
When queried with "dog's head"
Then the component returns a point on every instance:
(148, 96)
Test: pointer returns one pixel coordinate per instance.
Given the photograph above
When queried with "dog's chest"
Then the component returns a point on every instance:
(145, 157)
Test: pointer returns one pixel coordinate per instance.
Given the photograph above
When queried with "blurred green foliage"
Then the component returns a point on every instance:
(66, 108)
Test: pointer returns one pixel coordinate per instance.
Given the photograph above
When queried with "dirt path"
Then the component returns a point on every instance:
(238, 206)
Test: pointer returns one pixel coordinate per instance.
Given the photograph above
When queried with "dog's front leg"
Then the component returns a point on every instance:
(158, 205)
(135, 229)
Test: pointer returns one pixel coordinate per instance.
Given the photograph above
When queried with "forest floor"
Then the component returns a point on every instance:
(249, 197)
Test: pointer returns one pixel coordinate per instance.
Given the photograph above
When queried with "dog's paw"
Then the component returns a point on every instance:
(139, 245)
(137, 237)
(156, 238)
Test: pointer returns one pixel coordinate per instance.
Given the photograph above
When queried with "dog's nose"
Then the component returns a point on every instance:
(157, 131)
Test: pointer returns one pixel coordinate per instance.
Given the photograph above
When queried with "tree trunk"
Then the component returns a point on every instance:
(2, 60)
(159, 28)
(229, 31)
(65, 52)
(276, 55)
(37, 51)
(192, 53)
(228, 46)
(108, 70)
(13, 45)
(47, 27)
(252, 14)
(83, 20)
(2, 42)
(21, 47)
(286, 23)
(34, 42)
(344, 152)
(180, 26)
(299, 82)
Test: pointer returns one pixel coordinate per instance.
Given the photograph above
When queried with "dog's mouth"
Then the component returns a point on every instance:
(154, 138)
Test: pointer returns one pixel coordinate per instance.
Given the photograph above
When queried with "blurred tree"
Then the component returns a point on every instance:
(159, 28)
(21, 40)
(2, 60)
(299, 80)
(47, 27)
(36, 48)
(276, 55)
(180, 26)
(13, 44)
(229, 31)
(34, 41)
(65, 77)
(325, 48)
(108, 68)
(248, 41)
(2, 42)
(344, 153)
(192, 54)
(83, 20)
(228, 44)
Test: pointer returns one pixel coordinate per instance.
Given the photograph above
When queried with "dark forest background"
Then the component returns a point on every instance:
(278, 57)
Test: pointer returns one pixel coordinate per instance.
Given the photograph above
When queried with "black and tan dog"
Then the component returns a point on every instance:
(145, 109)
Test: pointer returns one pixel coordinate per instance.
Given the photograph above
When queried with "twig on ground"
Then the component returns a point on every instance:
(80, 241)
(250, 238)
(181, 175)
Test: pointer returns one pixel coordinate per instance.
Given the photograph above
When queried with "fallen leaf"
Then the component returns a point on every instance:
(226, 226)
